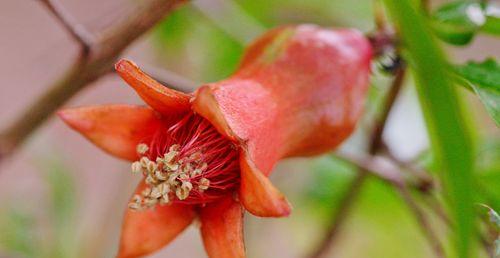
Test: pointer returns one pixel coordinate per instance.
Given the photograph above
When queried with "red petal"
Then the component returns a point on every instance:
(222, 229)
(258, 194)
(117, 129)
(156, 95)
(144, 232)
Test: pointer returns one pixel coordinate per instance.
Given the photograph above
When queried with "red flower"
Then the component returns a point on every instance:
(298, 92)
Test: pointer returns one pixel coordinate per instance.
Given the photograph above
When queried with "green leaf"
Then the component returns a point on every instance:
(492, 24)
(444, 115)
(485, 74)
(454, 22)
(484, 79)
(458, 22)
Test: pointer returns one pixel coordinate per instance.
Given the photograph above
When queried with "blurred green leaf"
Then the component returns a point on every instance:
(446, 123)
(198, 46)
(488, 173)
(458, 22)
(485, 74)
(63, 200)
(17, 232)
(484, 79)
(337, 13)
(452, 22)
(62, 191)
(329, 180)
(492, 24)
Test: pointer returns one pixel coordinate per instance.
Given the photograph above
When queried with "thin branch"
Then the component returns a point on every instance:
(391, 174)
(103, 55)
(75, 29)
(376, 140)
(379, 16)
(339, 216)
(427, 230)
(424, 181)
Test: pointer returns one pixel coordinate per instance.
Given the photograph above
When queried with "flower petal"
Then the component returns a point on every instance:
(156, 95)
(117, 129)
(144, 232)
(222, 229)
(258, 194)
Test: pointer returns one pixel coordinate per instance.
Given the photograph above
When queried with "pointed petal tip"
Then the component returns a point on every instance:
(73, 118)
(222, 229)
(258, 194)
(117, 129)
(161, 98)
(124, 64)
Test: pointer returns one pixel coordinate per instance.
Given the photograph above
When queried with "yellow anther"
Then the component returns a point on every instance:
(170, 156)
(150, 180)
(169, 176)
(144, 162)
(175, 147)
(160, 175)
(171, 166)
(164, 189)
(151, 167)
(183, 192)
(136, 167)
(183, 176)
(142, 149)
(164, 199)
(196, 172)
(203, 184)
(145, 192)
(150, 202)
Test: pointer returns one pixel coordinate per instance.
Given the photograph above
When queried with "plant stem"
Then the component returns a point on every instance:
(92, 64)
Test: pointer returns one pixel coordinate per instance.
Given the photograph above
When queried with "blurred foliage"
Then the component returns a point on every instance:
(203, 51)
(379, 220)
(18, 234)
(458, 22)
(328, 184)
(446, 122)
(23, 234)
(484, 79)
(454, 24)
(192, 44)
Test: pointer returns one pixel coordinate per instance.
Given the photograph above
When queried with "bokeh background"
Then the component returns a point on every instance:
(62, 197)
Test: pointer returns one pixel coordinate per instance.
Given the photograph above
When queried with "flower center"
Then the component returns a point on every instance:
(188, 162)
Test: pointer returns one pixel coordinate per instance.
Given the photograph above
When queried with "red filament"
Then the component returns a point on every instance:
(195, 135)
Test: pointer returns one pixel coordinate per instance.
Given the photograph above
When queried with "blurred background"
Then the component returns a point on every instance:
(62, 197)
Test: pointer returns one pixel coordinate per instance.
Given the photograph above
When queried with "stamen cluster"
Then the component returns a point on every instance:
(188, 162)
(168, 177)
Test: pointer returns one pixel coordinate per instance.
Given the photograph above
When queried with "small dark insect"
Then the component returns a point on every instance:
(389, 63)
